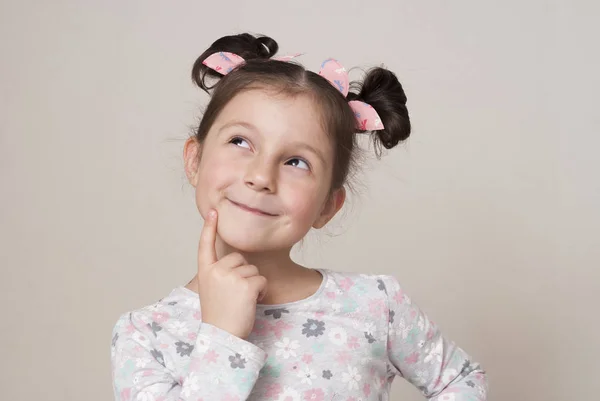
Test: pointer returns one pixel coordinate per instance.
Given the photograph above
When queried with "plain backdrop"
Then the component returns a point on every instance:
(488, 215)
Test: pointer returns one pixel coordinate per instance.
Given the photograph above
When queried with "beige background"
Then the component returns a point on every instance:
(488, 215)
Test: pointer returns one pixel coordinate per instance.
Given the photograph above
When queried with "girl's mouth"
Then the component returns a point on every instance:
(252, 210)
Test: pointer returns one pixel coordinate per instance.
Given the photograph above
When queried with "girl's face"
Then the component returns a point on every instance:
(266, 167)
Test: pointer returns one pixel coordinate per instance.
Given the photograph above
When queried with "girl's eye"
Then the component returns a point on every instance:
(240, 142)
(298, 163)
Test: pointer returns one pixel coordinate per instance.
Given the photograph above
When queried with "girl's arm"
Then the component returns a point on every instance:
(418, 352)
(221, 366)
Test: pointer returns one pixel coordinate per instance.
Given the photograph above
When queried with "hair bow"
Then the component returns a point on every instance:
(367, 118)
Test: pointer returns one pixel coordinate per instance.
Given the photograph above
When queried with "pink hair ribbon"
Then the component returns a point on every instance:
(367, 118)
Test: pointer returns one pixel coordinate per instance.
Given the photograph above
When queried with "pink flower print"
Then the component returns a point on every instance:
(398, 297)
(126, 394)
(160, 317)
(164, 346)
(319, 314)
(362, 125)
(376, 307)
(330, 294)
(211, 356)
(130, 328)
(307, 358)
(367, 389)
(261, 327)
(273, 390)
(192, 336)
(351, 399)
(430, 334)
(412, 358)
(413, 314)
(346, 283)
(279, 327)
(353, 343)
(197, 315)
(315, 394)
(343, 357)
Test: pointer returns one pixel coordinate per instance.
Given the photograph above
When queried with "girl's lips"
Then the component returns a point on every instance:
(251, 209)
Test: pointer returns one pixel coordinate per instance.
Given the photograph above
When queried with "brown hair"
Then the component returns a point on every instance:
(380, 88)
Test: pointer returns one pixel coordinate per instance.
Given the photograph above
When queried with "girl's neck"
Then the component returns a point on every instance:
(274, 265)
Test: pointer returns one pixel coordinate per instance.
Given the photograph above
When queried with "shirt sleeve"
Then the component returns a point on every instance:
(419, 353)
(221, 365)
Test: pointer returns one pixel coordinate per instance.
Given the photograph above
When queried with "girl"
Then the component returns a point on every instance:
(269, 161)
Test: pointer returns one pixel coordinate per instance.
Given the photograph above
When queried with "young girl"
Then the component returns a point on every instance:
(269, 161)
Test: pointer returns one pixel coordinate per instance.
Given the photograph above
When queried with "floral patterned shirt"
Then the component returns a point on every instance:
(346, 342)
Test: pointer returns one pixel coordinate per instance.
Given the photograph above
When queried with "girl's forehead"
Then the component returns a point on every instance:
(276, 114)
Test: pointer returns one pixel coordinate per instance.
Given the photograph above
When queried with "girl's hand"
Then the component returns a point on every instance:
(229, 288)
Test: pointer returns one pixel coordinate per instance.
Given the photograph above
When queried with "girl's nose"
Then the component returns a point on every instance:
(261, 176)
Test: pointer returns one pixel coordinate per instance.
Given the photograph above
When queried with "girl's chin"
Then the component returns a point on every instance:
(245, 247)
(249, 243)
(241, 241)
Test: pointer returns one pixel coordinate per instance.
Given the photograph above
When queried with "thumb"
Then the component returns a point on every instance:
(207, 254)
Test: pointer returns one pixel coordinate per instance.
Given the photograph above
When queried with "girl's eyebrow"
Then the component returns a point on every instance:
(311, 149)
(242, 124)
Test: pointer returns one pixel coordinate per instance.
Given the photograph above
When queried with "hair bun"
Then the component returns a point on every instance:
(244, 45)
(381, 89)
(267, 44)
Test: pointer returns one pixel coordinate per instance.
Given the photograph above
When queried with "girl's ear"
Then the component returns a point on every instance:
(191, 153)
(331, 207)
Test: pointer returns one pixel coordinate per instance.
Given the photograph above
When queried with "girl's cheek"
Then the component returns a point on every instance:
(304, 204)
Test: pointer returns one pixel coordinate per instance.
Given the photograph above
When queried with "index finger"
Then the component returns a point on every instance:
(207, 254)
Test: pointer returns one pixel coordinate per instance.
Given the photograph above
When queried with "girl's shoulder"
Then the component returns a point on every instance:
(362, 283)
(180, 303)
(337, 276)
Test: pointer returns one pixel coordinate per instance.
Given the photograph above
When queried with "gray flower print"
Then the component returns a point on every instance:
(381, 285)
(158, 356)
(470, 383)
(369, 337)
(313, 328)
(155, 327)
(184, 349)
(115, 338)
(237, 361)
(276, 312)
(424, 390)
(173, 303)
(467, 368)
(392, 314)
(327, 374)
